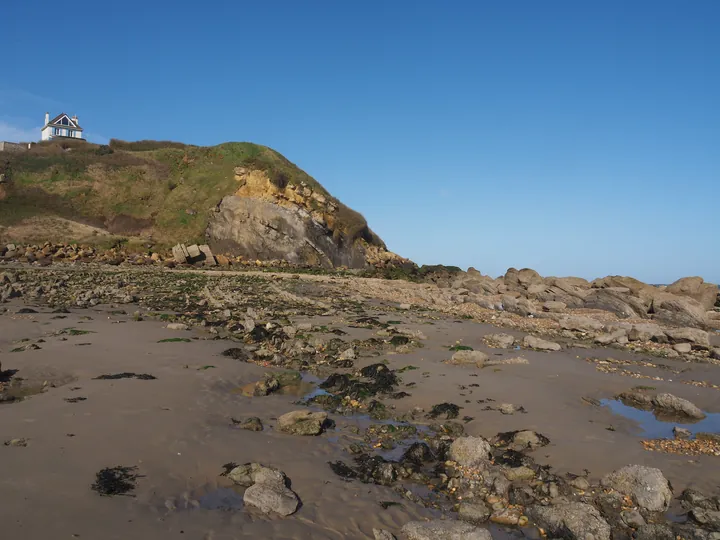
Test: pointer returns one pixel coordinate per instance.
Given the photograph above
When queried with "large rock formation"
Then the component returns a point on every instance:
(264, 220)
(686, 303)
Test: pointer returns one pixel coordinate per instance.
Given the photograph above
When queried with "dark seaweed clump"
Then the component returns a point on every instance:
(450, 410)
(115, 481)
(126, 375)
(236, 354)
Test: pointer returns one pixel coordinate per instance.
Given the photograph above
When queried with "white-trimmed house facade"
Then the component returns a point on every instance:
(61, 126)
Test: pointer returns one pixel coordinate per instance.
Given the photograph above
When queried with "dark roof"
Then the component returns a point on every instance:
(58, 117)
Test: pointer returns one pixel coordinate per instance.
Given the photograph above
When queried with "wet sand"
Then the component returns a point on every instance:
(177, 430)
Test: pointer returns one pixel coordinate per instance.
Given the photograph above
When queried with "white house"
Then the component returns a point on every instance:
(61, 126)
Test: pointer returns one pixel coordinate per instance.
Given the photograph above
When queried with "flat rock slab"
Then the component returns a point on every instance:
(444, 530)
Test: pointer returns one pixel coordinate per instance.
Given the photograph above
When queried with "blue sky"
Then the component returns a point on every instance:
(575, 138)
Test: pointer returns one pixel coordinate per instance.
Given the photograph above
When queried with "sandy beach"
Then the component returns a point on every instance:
(179, 427)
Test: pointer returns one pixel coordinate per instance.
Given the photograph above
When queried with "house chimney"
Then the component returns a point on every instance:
(47, 118)
(75, 119)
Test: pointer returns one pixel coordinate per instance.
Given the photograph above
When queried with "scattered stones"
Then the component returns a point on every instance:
(574, 521)
(532, 342)
(696, 447)
(444, 530)
(302, 422)
(647, 486)
(469, 451)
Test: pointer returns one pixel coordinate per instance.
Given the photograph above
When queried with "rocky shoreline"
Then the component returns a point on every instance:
(382, 377)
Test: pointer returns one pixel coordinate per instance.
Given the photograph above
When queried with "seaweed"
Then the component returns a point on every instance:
(236, 354)
(115, 481)
(125, 375)
(450, 410)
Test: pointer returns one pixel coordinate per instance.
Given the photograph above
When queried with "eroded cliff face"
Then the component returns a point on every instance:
(265, 221)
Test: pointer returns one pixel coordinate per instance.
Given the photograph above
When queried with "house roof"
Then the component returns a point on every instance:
(54, 122)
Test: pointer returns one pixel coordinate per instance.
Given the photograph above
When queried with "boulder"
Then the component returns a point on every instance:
(715, 354)
(697, 289)
(682, 348)
(679, 311)
(532, 342)
(271, 498)
(521, 279)
(519, 306)
(581, 324)
(180, 254)
(647, 332)
(647, 486)
(302, 422)
(554, 306)
(573, 521)
(477, 283)
(469, 451)
(469, 357)
(655, 531)
(707, 518)
(475, 512)
(207, 255)
(689, 335)
(616, 301)
(254, 473)
(500, 340)
(444, 530)
(678, 406)
(194, 252)
(618, 336)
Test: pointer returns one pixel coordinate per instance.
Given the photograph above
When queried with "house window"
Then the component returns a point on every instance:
(64, 121)
(56, 131)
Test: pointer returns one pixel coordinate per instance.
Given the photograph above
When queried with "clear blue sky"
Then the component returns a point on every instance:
(576, 138)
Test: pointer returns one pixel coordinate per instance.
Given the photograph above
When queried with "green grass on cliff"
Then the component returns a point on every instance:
(126, 185)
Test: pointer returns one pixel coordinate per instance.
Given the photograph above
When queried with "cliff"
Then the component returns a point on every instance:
(241, 198)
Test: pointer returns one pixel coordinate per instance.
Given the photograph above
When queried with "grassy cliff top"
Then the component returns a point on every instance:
(168, 186)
